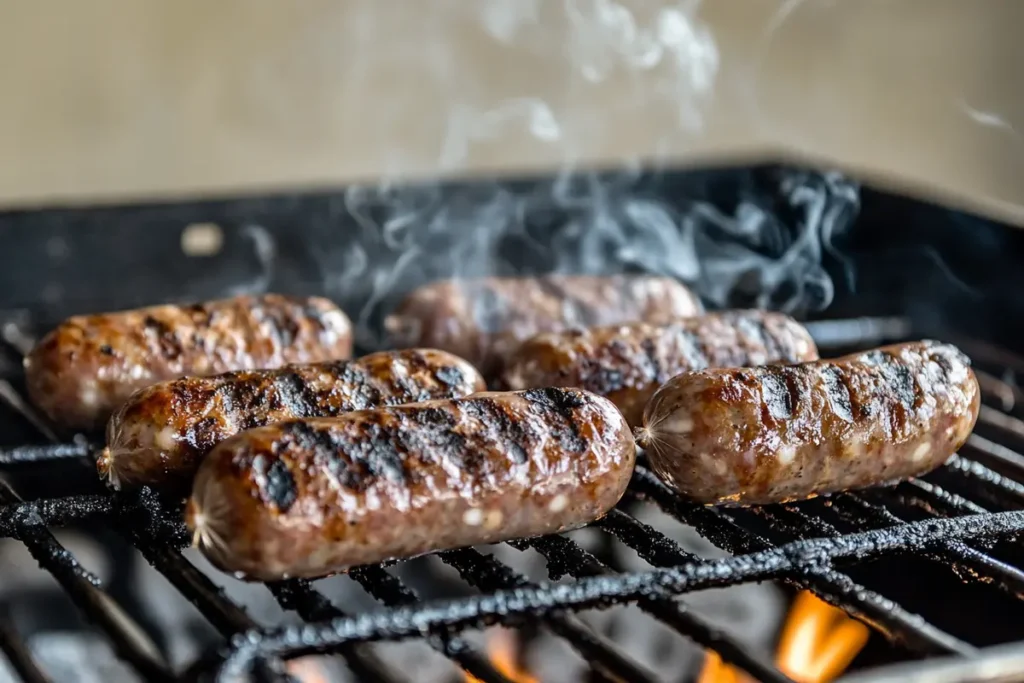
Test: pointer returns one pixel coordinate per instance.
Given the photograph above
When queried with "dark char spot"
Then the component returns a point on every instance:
(837, 392)
(276, 482)
(450, 376)
(898, 378)
(297, 396)
(204, 434)
(777, 394)
(501, 428)
(557, 406)
(107, 350)
(170, 345)
(361, 390)
(356, 464)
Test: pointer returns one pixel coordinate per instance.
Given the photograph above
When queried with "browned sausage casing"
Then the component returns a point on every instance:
(627, 363)
(82, 371)
(161, 434)
(778, 433)
(312, 497)
(483, 320)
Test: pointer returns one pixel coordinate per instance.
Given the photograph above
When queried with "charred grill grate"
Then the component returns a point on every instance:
(953, 517)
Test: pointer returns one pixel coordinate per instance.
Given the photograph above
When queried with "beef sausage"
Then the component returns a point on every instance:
(159, 436)
(627, 363)
(778, 433)
(307, 498)
(483, 320)
(82, 371)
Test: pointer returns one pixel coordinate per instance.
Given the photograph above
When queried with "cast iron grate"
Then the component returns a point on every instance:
(952, 517)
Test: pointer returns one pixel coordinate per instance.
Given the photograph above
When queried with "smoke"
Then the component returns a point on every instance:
(764, 244)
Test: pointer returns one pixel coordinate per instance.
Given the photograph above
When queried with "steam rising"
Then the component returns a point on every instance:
(761, 246)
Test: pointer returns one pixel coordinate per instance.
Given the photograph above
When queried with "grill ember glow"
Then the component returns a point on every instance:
(818, 642)
(501, 649)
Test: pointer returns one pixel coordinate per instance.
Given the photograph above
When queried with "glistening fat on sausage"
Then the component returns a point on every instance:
(485, 319)
(627, 363)
(159, 436)
(308, 498)
(777, 433)
(83, 370)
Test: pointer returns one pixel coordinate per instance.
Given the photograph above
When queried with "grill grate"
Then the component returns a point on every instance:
(953, 517)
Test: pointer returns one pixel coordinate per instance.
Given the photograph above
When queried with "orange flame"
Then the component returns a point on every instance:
(501, 648)
(818, 642)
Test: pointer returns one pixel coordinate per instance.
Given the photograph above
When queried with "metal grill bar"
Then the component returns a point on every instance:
(53, 512)
(992, 486)
(18, 654)
(799, 558)
(996, 456)
(390, 591)
(486, 573)
(566, 556)
(47, 453)
(816, 575)
(129, 640)
(301, 597)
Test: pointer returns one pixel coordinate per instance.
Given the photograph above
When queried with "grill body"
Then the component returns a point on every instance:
(926, 563)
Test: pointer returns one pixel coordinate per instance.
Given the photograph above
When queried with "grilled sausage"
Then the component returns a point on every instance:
(483, 320)
(83, 370)
(777, 433)
(307, 498)
(627, 363)
(161, 434)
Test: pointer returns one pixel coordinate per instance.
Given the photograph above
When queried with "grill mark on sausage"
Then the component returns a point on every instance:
(275, 481)
(505, 428)
(167, 341)
(777, 394)
(298, 397)
(363, 392)
(838, 392)
(557, 406)
(691, 348)
(898, 378)
(449, 375)
(650, 350)
(356, 464)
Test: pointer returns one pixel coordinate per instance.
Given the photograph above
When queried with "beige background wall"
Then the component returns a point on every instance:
(125, 99)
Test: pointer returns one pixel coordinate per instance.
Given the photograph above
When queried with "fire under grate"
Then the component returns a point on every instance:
(954, 517)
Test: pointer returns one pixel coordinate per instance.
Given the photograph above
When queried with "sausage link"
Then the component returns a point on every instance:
(161, 434)
(483, 320)
(307, 498)
(82, 371)
(627, 363)
(778, 433)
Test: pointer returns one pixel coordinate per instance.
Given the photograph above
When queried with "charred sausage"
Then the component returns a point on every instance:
(82, 371)
(483, 320)
(307, 498)
(779, 433)
(160, 435)
(627, 363)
